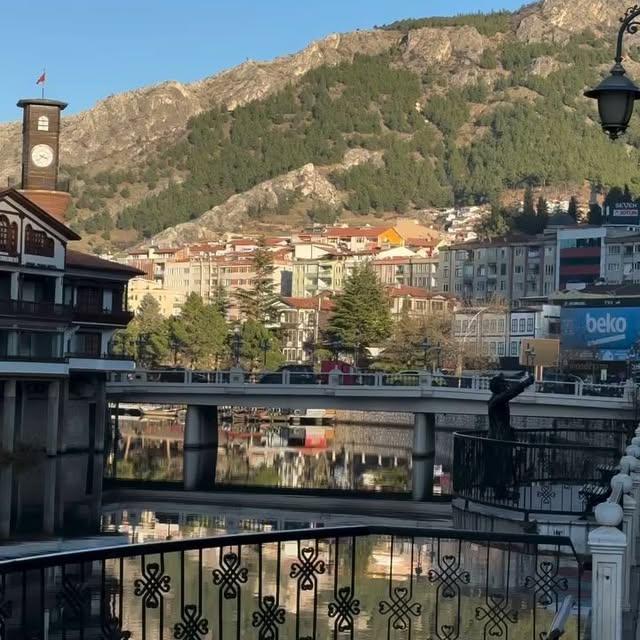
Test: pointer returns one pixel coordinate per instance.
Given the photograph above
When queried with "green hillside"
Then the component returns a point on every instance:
(464, 144)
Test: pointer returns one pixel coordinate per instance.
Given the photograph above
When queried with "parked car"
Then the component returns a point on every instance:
(298, 374)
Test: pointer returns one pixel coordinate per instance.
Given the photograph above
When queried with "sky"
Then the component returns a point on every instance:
(94, 48)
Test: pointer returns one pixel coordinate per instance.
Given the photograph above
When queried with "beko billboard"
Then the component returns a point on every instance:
(610, 330)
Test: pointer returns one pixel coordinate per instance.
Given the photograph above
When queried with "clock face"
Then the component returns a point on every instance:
(42, 155)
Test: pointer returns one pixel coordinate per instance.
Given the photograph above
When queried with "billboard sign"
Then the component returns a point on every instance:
(609, 330)
(625, 213)
(545, 352)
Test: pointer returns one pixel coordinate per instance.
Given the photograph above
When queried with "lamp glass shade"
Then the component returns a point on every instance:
(615, 108)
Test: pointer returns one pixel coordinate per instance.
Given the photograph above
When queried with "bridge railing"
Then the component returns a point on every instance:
(359, 582)
(376, 379)
(563, 471)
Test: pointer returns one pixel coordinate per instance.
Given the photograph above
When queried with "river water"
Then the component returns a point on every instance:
(259, 450)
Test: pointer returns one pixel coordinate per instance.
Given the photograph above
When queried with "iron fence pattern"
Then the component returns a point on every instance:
(545, 471)
(348, 582)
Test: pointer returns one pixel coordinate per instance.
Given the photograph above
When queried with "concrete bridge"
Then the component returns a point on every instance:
(422, 393)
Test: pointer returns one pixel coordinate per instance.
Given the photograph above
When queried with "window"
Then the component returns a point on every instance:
(529, 325)
(548, 269)
(501, 325)
(503, 269)
(522, 325)
(518, 268)
(614, 250)
(514, 347)
(519, 252)
(43, 123)
(492, 348)
(8, 235)
(88, 344)
(628, 250)
(458, 272)
(613, 266)
(445, 288)
(37, 243)
(514, 325)
(500, 348)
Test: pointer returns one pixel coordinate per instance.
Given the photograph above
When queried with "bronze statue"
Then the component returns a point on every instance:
(499, 415)
(499, 458)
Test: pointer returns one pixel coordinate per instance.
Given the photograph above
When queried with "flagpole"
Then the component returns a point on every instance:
(44, 73)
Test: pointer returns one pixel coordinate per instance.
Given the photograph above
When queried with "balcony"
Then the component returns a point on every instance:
(36, 310)
(359, 582)
(552, 478)
(93, 361)
(97, 315)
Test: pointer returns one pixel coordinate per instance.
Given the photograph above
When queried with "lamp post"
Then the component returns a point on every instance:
(425, 345)
(616, 94)
(530, 354)
(236, 344)
(265, 345)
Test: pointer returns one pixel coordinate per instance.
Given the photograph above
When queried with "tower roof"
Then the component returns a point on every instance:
(41, 101)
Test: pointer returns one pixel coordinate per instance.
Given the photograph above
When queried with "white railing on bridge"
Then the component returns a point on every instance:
(373, 379)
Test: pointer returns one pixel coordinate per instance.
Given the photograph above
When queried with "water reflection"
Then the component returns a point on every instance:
(256, 450)
(43, 498)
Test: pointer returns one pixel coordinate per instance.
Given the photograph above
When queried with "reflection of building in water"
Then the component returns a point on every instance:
(54, 496)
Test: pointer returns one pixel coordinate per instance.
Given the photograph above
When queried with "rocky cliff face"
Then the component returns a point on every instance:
(123, 128)
(556, 20)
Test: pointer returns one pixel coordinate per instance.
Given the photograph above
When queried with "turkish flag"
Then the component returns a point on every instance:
(41, 79)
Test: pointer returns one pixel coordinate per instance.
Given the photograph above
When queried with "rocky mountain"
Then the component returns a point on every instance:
(464, 95)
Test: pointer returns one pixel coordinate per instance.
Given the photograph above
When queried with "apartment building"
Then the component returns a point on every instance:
(301, 322)
(417, 302)
(499, 333)
(519, 268)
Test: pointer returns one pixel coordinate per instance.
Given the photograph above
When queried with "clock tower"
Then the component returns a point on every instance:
(40, 155)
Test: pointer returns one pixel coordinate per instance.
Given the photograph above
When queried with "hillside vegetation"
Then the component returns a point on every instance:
(521, 121)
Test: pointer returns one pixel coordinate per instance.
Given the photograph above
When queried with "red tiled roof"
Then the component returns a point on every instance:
(326, 304)
(350, 232)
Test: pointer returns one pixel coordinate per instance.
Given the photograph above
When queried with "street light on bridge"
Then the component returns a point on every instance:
(617, 93)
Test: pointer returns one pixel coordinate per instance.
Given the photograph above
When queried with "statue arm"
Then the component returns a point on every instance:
(515, 389)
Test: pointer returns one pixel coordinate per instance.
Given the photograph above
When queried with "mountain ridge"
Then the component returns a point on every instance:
(125, 133)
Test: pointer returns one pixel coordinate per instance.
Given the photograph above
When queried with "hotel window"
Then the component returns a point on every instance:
(522, 325)
(43, 123)
(514, 325)
(529, 325)
(37, 243)
(8, 235)
(514, 347)
(500, 348)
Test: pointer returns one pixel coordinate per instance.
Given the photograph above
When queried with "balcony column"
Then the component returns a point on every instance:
(9, 416)
(15, 285)
(607, 544)
(423, 456)
(59, 297)
(53, 417)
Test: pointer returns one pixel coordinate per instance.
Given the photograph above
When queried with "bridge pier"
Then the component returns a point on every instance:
(200, 447)
(423, 456)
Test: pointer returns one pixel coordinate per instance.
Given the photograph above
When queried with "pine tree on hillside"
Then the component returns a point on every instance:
(573, 208)
(595, 214)
(528, 209)
(542, 208)
(361, 318)
(496, 225)
(260, 303)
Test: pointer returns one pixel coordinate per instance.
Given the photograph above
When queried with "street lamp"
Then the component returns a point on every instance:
(265, 345)
(530, 354)
(236, 344)
(425, 345)
(617, 94)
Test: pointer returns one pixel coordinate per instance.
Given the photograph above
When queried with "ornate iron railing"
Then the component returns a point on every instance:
(545, 471)
(350, 582)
